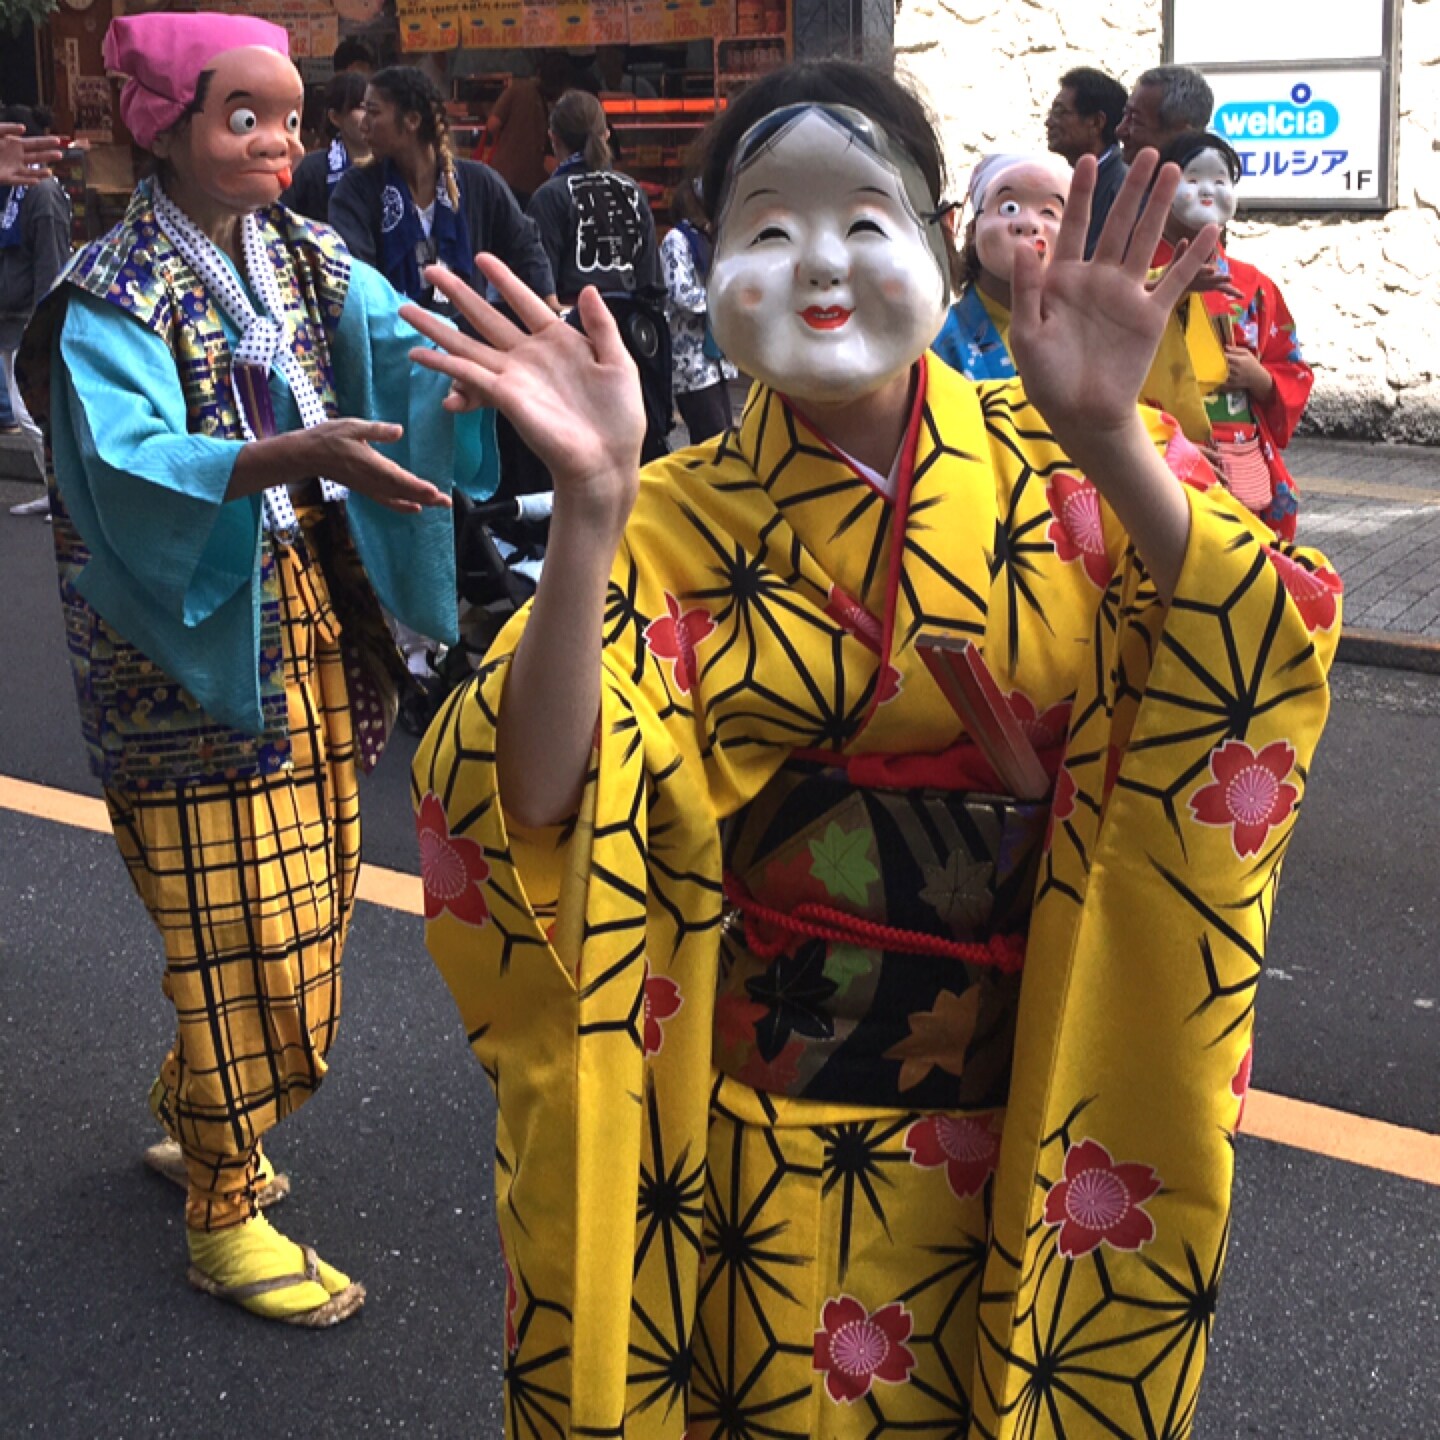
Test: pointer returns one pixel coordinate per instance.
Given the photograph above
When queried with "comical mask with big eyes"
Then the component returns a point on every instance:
(1206, 194)
(1018, 204)
(830, 274)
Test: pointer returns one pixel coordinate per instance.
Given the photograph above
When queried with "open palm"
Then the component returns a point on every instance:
(1084, 332)
(574, 398)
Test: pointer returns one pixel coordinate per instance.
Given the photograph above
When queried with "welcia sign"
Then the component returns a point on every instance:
(1304, 139)
(1314, 131)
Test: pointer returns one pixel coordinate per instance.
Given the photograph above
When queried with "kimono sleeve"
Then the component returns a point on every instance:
(153, 493)
(1279, 353)
(409, 558)
(1191, 743)
(583, 962)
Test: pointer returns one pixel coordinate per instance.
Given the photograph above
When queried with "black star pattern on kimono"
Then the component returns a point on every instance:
(745, 1261)
(670, 1214)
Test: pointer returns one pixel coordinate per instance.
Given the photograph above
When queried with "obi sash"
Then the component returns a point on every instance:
(873, 939)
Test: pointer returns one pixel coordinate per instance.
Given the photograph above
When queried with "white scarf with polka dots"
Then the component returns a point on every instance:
(264, 339)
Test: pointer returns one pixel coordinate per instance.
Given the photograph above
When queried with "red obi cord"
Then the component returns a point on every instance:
(810, 921)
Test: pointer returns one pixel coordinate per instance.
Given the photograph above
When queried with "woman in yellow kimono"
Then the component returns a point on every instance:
(862, 1070)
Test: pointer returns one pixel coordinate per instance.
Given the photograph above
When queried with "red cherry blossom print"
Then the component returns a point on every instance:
(968, 1149)
(1315, 592)
(856, 1348)
(662, 1000)
(452, 868)
(1249, 792)
(1098, 1202)
(674, 637)
(1043, 729)
(1186, 462)
(1240, 1083)
(1077, 532)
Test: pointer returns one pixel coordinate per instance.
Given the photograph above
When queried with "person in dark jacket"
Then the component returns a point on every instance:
(1081, 121)
(596, 225)
(317, 175)
(414, 204)
(34, 246)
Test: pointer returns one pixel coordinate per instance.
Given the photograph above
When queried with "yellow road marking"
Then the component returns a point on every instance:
(1356, 1139)
(1368, 490)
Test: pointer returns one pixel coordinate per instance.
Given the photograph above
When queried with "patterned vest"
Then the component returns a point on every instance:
(141, 727)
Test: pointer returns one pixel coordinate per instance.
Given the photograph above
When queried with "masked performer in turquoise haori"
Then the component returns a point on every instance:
(869, 1038)
(231, 661)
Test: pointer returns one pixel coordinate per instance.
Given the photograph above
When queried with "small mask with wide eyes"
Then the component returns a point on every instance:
(292, 123)
(243, 121)
(1009, 209)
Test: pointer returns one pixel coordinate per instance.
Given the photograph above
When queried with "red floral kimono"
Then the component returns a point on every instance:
(1261, 322)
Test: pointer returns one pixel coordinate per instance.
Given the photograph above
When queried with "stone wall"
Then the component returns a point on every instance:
(1364, 290)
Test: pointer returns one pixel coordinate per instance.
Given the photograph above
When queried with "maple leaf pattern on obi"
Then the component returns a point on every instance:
(959, 891)
(939, 1036)
(840, 862)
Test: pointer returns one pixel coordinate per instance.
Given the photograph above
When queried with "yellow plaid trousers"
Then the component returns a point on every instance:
(251, 883)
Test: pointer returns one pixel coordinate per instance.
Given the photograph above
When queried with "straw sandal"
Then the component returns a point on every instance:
(340, 1306)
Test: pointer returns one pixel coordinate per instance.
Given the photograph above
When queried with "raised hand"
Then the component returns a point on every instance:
(1084, 332)
(25, 160)
(574, 398)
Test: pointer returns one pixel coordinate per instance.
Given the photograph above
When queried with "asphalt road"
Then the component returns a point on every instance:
(1328, 1322)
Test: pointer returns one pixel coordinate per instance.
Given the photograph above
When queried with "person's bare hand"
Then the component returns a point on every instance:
(25, 160)
(343, 451)
(1247, 373)
(573, 398)
(1211, 280)
(1084, 332)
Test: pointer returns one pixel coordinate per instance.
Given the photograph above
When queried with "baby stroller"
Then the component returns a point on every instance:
(499, 549)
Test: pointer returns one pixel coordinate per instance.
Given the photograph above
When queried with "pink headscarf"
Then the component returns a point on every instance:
(165, 55)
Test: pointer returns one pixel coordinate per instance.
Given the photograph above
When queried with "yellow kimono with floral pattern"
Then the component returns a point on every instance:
(766, 600)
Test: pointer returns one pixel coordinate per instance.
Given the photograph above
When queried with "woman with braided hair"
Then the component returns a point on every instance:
(415, 204)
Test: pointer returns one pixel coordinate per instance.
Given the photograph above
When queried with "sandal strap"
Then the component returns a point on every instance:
(278, 1282)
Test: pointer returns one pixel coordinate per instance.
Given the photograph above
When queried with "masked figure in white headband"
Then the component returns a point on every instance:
(1013, 200)
(841, 868)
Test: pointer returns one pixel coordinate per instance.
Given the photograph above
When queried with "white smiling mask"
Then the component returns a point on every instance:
(1206, 194)
(825, 282)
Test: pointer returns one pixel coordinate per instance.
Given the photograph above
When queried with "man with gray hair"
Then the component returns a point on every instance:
(1167, 101)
